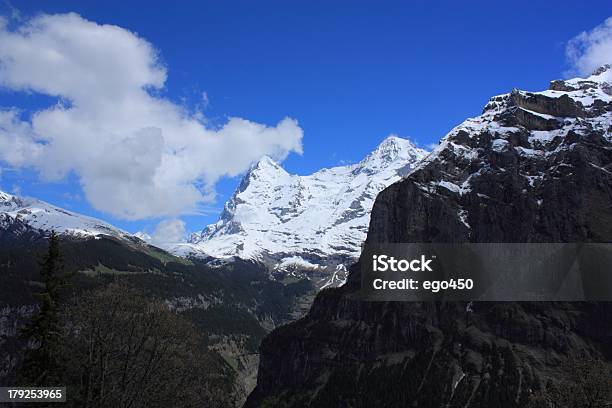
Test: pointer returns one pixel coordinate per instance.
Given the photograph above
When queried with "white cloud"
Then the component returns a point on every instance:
(168, 232)
(137, 154)
(590, 50)
(18, 144)
(205, 101)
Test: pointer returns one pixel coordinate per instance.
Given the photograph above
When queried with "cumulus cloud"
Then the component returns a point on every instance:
(137, 154)
(168, 232)
(590, 50)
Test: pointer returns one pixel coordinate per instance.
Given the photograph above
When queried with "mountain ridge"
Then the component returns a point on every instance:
(315, 222)
(534, 167)
(45, 217)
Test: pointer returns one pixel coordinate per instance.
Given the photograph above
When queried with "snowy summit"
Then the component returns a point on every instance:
(45, 217)
(315, 222)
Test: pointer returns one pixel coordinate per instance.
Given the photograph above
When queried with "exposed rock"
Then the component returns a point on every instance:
(490, 180)
(563, 106)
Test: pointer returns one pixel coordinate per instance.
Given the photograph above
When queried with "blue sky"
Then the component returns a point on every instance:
(350, 73)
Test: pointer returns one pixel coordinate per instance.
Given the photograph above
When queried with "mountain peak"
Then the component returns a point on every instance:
(265, 169)
(600, 79)
(46, 217)
(391, 149)
(607, 68)
(5, 197)
(264, 165)
(8, 201)
(394, 141)
(319, 220)
(266, 161)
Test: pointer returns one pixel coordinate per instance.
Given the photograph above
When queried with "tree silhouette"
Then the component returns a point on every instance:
(43, 331)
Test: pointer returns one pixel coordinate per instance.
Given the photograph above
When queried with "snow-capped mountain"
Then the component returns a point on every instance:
(537, 126)
(315, 222)
(45, 217)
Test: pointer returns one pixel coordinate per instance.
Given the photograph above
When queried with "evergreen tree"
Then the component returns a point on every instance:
(43, 331)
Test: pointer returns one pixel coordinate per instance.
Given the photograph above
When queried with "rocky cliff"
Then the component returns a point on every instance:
(534, 167)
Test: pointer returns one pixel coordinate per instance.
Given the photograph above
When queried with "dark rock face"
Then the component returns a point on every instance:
(15, 232)
(562, 106)
(496, 178)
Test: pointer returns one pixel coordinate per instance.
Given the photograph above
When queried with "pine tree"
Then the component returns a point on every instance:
(43, 331)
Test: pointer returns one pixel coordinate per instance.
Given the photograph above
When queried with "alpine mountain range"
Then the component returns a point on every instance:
(532, 167)
(309, 226)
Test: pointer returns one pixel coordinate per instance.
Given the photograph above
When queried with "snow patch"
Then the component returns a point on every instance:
(296, 262)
